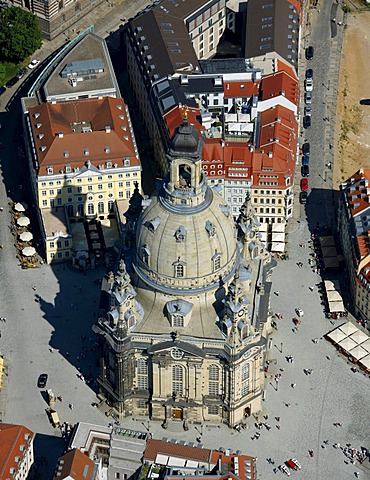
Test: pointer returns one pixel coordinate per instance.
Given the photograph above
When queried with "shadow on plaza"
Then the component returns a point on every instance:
(47, 450)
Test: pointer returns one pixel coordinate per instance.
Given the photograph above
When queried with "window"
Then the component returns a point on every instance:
(142, 374)
(60, 254)
(89, 188)
(179, 269)
(100, 186)
(59, 201)
(43, 184)
(79, 180)
(44, 203)
(90, 209)
(69, 190)
(216, 259)
(111, 206)
(101, 207)
(213, 410)
(51, 192)
(79, 189)
(66, 243)
(59, 244)
(245, 379)
(44, 192)
(177, 321)
(120, 184)
(66, 254)
(128, 194)
(110, 185)
(52, 245)
(177, 379)
(213, 380)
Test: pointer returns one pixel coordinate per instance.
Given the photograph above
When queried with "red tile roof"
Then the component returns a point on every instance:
(68, 147)
(240, 465)
(153, 447)
(175, 117)
(280, 83)
(240, 88)
(76, 465)
(12, 437)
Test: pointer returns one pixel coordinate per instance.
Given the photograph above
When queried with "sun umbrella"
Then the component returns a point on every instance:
(23, 221)
(28, 251)
(18, 207)
(26, 236)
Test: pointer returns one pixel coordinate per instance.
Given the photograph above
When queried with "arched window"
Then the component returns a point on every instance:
(90, 209)
(245, 379)
(216, 261)
(101, 207)
(213, 380)
(110, 206)
(142, 374)
(177, 379)
(179, 269)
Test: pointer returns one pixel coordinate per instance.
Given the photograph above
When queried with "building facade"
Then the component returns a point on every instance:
(186, 339)
(16, 452)
(354, 231)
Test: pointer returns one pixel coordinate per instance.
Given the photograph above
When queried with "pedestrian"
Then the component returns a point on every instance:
(293, 385)
(71, 406)
(1, 209)
(51, 350)
(277, 293)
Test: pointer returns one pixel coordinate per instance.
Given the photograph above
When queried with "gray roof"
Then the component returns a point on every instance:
(83, 67)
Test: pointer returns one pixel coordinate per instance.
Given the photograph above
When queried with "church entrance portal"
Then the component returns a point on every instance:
(176, 413)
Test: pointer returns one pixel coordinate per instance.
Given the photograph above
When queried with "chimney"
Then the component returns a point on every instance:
(60, 135)
(107, 129)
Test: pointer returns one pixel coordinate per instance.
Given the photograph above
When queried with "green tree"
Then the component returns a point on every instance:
(20, 35)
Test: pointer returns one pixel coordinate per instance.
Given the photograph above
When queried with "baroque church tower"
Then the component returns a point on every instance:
(183, 337)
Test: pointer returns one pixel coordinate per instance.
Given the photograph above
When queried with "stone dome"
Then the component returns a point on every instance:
(186, 249)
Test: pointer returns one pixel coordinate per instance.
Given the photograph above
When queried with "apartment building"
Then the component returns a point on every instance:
(55, 16)
(16, 452)
(273, 26)
(75, 465)
(83, 157)
(354, 231)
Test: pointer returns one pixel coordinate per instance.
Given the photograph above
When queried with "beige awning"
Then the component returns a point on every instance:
(278, 228)
(278, 247)
(358, 352)
(347, 344)
(366, 345)
(332, 285)
(334, 296)
(278, 237)
(348, 328)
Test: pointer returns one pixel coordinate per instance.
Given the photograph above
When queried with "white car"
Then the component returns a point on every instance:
(33, 64)
(307, 111)
(299, 312)
(308, 84)
(297, 464)
(308, 98)
(283, 468)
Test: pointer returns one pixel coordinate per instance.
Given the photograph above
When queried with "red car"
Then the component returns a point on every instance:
(304, 184)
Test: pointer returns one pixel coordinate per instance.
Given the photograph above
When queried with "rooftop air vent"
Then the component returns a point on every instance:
(60, 135)
(107, 129)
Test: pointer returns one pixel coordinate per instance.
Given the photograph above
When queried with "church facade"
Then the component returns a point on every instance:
(183, 334)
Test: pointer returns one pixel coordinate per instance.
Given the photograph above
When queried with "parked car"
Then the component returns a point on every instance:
(296, 463)
(307, 111)
(42, 380)
(308, 84)
(365, 101)
(2, 90)
(33, 64)
(306, 149)
(12, 82)
(299, 312)
(309, 52)
(22, 73)
(308, 98)
(303, 197)
(309, 73)
(305, 171)
(306, 122)
(306, 159)
(283, 468)
(304, 184)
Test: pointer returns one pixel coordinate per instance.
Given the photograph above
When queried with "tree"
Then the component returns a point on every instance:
(20, 35)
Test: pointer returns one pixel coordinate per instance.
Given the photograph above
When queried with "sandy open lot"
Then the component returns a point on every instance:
(352, 146)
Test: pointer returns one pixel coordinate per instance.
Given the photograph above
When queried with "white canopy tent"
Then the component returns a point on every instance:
(365, 361)
(366, 345)
(334, 296)
(336, 306)
(347, 344)
(278, 247)
(336, 335)
(263, 227)
(278, 228)
(278, 237)
(358, 352)
(359, 337)
(348, 328)
(332, 285)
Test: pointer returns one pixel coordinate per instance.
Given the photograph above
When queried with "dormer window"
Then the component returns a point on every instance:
(66, 153)
(106, 150)
(145, 252)
(180, 234)
(126, 162)
(109, 164)
(211, 229)
(86, 152)
(50, 170)
(68, 169)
